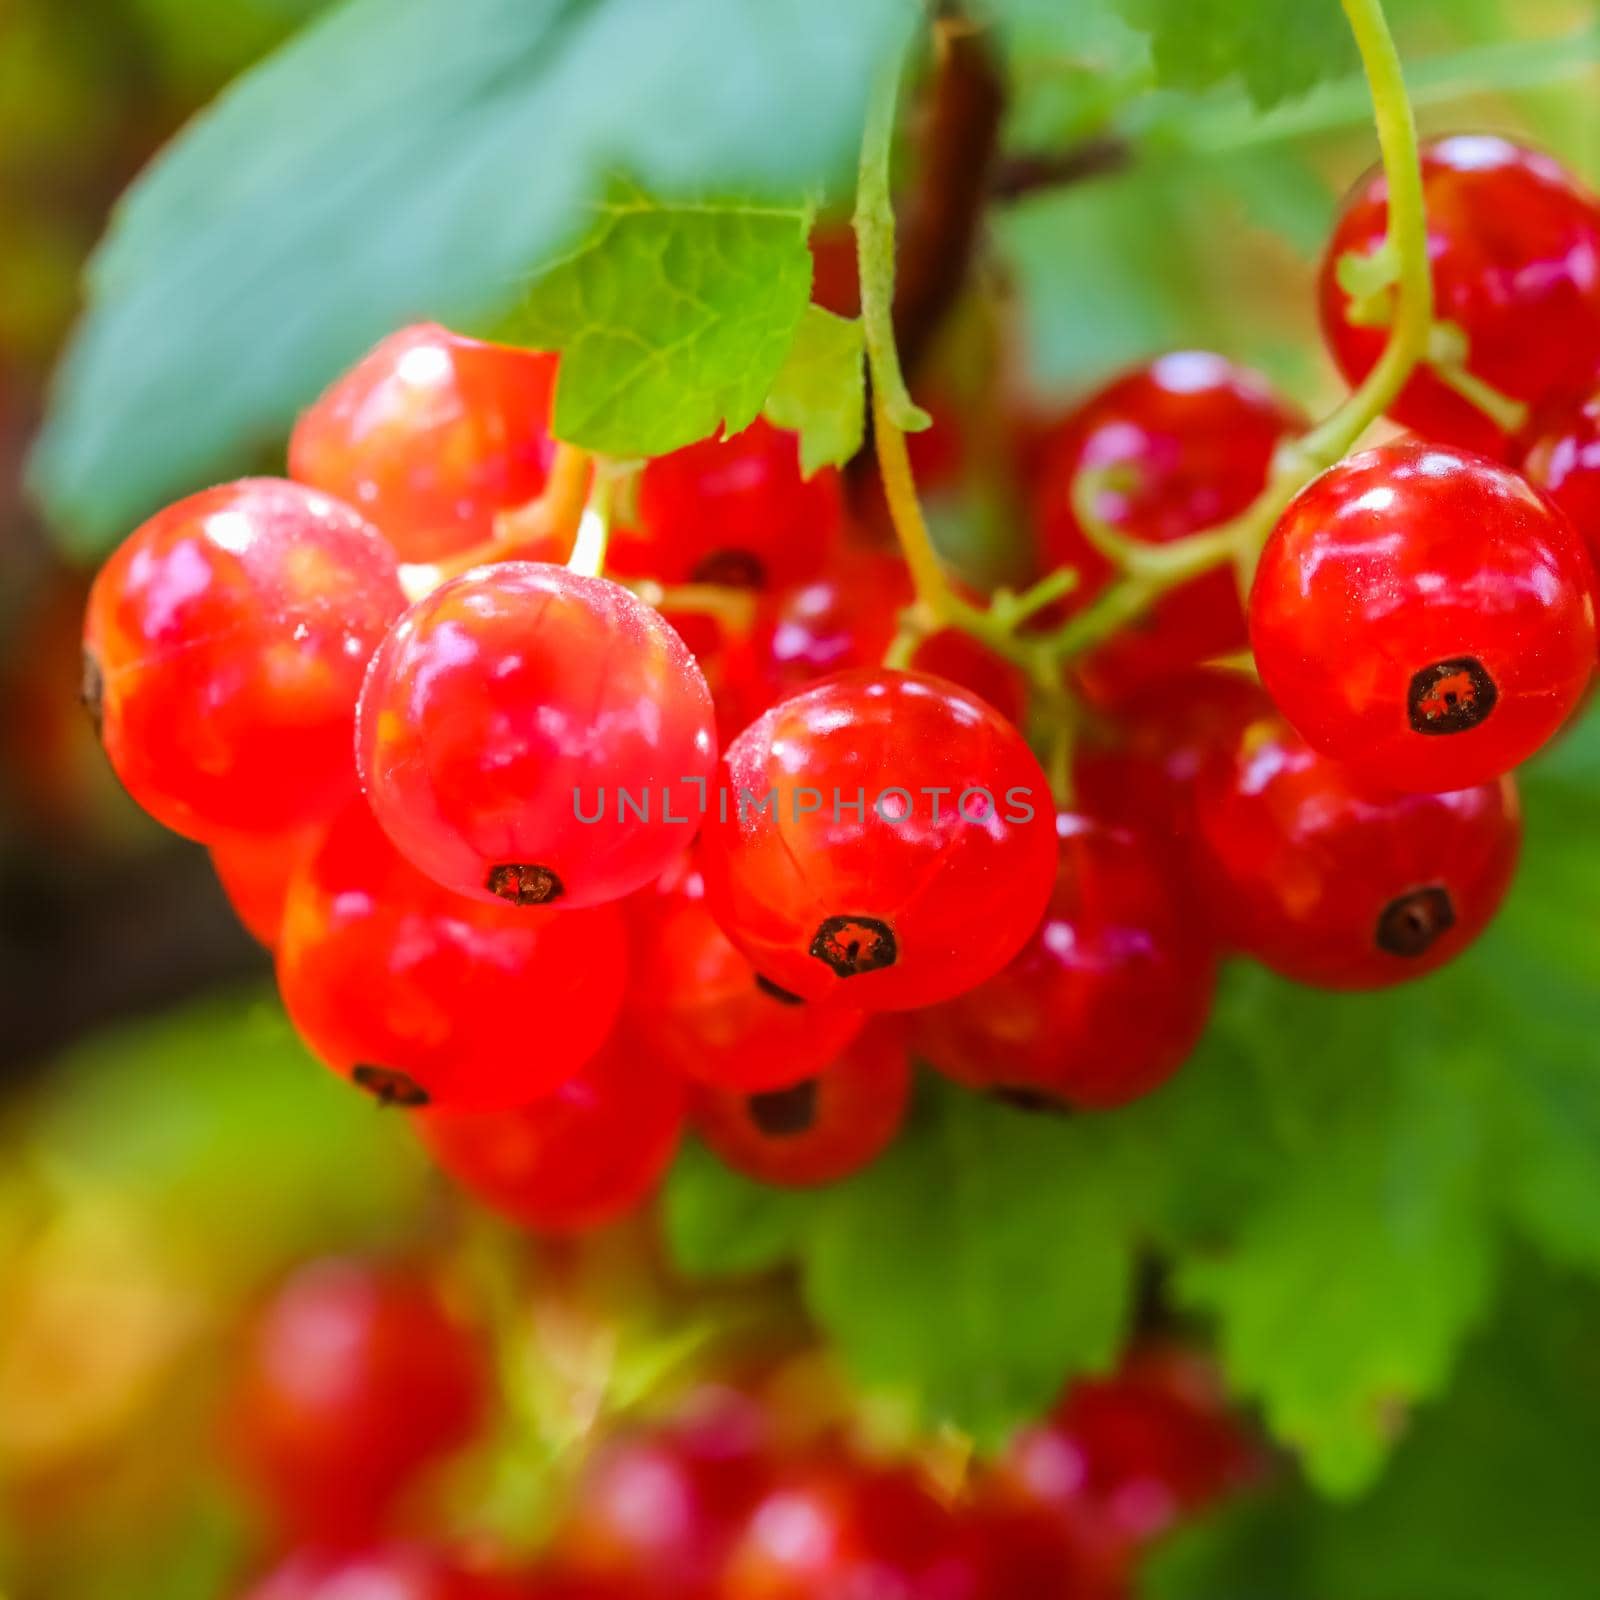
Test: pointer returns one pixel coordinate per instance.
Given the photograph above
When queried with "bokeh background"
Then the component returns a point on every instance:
(165, 1148)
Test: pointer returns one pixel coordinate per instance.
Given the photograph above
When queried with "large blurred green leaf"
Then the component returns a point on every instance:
(408, 158)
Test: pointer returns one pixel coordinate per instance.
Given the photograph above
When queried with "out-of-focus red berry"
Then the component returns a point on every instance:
(1564, 461)
(584, 1154)
(431, 435)
(821, 1129)
(1108, 997)
(1186, 443)
(354, 1378)
(255, 873)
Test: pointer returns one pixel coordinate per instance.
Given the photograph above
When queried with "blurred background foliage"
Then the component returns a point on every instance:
(165, 1146)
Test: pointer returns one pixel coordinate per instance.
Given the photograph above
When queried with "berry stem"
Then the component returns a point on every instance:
(594, 525)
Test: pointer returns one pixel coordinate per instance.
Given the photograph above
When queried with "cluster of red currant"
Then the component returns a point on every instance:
(550, 920)
(357, 1388)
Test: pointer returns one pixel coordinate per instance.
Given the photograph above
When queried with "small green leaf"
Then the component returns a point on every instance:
(1277, 48)
(673, 319)
(821, 393)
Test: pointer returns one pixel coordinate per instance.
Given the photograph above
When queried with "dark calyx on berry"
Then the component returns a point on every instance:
(1409, 924)
(777, 992)
(388, 1087)
(854, 945)
(92, 690)
(731, 569)
(1451, 696)
(524, 885)
(786, 1113)
(1035, 1101)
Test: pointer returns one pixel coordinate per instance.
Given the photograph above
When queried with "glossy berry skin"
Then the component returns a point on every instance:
(423, 997)
(223, 651)
(1191, 439)
(732, 511)
(1424, 615)
(583, 1154)
(847, 617)
(515, 702)
(1329, 882)
(390, 1572)
(1108, 997)
(819, 1130)
(1514, 243)
(431, 435)
(921, 896)
(1564, 461)
(354, 1378)
(255, 876)
(1135, 1452)
(701, 1010)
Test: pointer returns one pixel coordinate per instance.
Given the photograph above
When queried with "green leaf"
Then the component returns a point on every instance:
(821, 393)
(673, 319)
(719, 1223)
(407, 158)
(977, 1264)
(1277, 48)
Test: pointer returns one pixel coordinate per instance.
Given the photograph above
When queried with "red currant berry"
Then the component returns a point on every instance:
(883, 830)
(354, 1378)
(582, 1155)
(392, 1572)
(536, 736)
(704, 1012)
(656, 1512)
(1106, 1000)
(1321, 879)
(821, 1129)
(732, 511)
(421, 997)
(1139, 1450)
(1565, 462)
(223, 652)
(431, 435)
(1515, 248)
(255, 873)
(832, 1528)
(1425, 615)
(1139, 769)
(1184, 444)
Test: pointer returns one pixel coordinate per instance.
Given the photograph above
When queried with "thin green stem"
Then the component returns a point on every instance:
(594, 526)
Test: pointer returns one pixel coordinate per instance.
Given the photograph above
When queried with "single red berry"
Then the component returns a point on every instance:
(423, 997)
(532, 735)
(431, 435)
(1514, 242)
(731, 511)
(1106, 1000)
(1138, 768)
(1184, 443)
(885, 831)
(1564, 461)
(394, 1572)
(354, 1378)
(655, 1511)
(223, 652)
(1328, 882)
(834, 1527)
(255, 873)
(821, 1129)
(701, 1009)
(1424, 615)
(1137, 1451)
(581, 1155)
